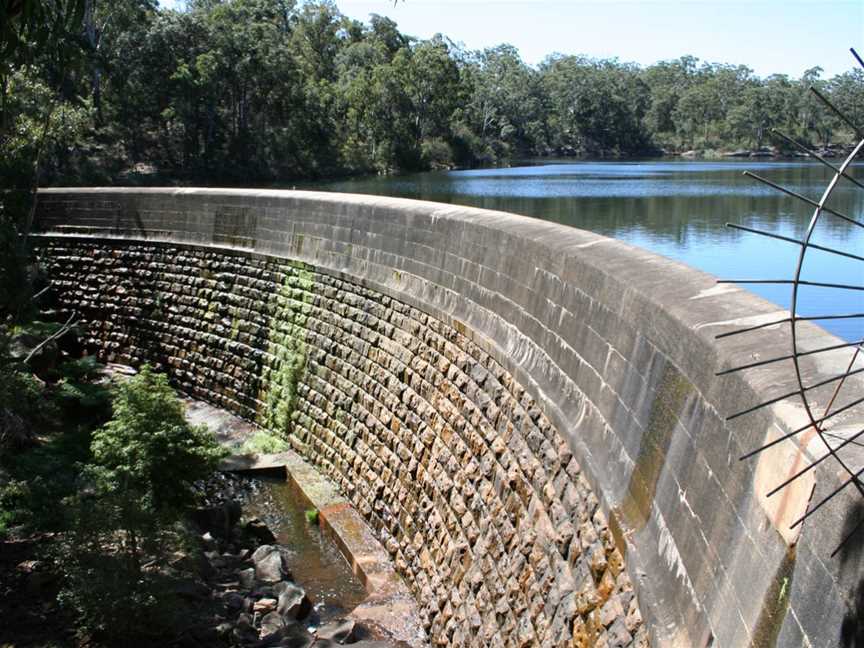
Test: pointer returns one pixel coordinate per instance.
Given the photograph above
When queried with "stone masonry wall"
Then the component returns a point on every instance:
(451, 367)
(472, 490)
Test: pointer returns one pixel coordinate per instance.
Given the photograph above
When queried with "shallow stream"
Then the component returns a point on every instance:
(315, 562)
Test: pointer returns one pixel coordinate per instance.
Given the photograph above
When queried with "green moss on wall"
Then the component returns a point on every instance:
(287, 351)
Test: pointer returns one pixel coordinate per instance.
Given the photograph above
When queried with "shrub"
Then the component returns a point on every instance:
(138, 484)
(148, 450)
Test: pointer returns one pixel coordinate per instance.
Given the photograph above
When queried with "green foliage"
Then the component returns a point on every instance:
(263, 443)
(26, 24)
(104, 586)
(241, 91)
(312, 516)
(138, 483)
(13, 510)
(287, 345)
(148, 452)
(40, 480)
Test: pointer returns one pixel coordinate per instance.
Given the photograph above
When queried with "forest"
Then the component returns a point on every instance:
(268, 91)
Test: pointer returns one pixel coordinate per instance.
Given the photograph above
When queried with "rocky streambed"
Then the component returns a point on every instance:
(253, 538)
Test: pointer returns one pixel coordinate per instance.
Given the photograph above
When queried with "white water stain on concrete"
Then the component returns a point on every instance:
(719, 289)
(752, 320)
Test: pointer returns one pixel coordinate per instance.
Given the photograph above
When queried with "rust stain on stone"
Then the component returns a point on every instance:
(668, 401)
(617, 532)
(460, 327)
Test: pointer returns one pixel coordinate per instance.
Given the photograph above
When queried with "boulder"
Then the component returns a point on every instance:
(234, 601)
(294, 604)
(260, 531)
(340, 631)
(218, 520)
(247, 578)
(264, 605)
(295, 636)
(269, 567)
(262, 552)
(271, 623)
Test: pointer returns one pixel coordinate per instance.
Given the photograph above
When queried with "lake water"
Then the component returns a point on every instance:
(678, 209)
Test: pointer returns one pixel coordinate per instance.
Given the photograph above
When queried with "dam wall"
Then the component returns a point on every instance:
(527, 415)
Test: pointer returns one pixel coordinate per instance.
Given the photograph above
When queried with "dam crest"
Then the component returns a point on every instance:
(527, 415)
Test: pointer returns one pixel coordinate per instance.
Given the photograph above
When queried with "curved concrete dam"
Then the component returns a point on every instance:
(528, 415)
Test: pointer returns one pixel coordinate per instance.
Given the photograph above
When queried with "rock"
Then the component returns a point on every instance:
(524, 633)
(294, 604)
(295, 636)
(265, 591)
(244, 631)
(247, 578)
(262, 552)
(271, 623)
(234, 601)
(244, 636)
(218, 520)
(634, 616)
(269, 569)
(611, 611)
(641, 638)
(257, 529)
(264, 605)
(196, 563)
(618, 634)
(340, 631)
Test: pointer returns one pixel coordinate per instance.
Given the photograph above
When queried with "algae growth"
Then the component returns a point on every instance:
(287, 349)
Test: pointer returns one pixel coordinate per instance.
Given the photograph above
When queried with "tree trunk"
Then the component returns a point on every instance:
(94, 35)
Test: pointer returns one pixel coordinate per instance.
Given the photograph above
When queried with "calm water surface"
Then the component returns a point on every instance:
(678, 209)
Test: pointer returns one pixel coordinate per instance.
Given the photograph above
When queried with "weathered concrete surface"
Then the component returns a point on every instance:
(431, 350)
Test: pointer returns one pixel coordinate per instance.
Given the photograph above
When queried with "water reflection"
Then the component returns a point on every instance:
(678, 209)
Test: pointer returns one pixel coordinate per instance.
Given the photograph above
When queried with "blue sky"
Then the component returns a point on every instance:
(782, 36)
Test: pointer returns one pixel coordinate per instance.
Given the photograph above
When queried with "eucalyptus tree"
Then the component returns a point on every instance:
(506, 107)
(597, 107)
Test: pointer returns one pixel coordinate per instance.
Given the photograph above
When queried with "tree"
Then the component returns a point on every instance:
(146, 460)
(148, 453)
(139, 482)
(596, 107)
(37, 124)
(506, 104)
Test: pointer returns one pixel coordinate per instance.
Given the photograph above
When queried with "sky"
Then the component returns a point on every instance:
(769, 36)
